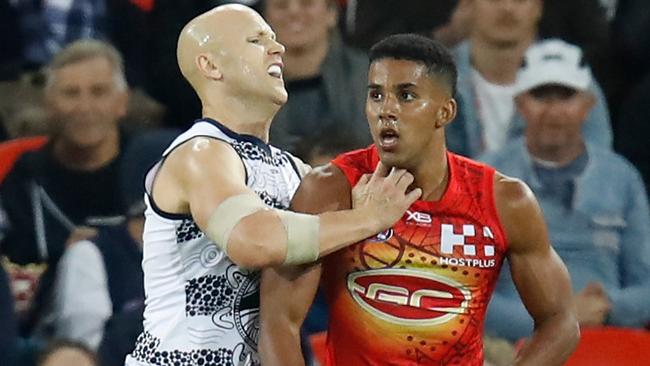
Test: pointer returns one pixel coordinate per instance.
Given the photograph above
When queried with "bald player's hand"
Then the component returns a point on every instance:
(384, 194)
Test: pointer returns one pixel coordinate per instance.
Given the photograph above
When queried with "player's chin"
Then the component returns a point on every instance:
(280, 97)
(389, 157)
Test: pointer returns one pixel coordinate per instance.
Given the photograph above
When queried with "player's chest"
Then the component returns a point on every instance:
(426, 239)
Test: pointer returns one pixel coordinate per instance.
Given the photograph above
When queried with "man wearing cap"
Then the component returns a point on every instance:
(593, 200)
(500, 34)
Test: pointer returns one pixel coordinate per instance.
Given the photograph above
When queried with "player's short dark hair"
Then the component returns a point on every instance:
(413, 47)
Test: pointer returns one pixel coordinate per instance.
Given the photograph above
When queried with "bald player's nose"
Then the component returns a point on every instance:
(276, 48)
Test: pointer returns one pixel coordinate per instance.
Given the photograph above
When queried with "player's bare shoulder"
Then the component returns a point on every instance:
(511, 193)
(324, 188)
(199, 160)
(518, 210)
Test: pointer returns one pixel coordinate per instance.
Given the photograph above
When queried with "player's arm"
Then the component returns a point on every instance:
(206, 178)
(287, 292)
(539, 274)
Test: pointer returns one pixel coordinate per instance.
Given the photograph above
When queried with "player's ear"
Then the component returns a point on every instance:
(446, 113)
(205, 63)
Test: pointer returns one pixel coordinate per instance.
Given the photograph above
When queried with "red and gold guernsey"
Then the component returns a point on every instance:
(417, 293)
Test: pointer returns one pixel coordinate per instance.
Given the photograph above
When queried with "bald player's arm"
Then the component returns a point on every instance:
(206, 178)
(287, 292)
(539, 274)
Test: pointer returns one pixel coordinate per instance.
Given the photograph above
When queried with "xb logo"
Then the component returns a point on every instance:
(418, 217)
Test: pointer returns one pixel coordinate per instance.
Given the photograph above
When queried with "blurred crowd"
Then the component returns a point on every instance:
(91, 95)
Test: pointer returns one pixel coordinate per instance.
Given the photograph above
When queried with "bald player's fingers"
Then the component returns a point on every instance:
(413, 196)
(405, 181)
(364, 179)
(361, 186)
(380, 171)
(395, 175)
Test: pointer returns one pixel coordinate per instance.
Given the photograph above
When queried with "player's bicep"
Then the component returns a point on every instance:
(323, 189)
(292, 289)
(537, 271)
(542, 281)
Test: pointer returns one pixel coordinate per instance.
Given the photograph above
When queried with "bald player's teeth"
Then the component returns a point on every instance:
(275, 71)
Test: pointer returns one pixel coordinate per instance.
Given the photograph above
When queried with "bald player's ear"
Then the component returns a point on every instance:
(206, 65)
(446, 113)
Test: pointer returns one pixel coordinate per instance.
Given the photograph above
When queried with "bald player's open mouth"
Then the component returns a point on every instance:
(388, 138)
(275, 70)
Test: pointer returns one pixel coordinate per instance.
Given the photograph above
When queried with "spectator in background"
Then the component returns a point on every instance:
(368, 21)
(324, 146)
(488, 61)
(34, 31)
(8, 321)
(593, 200)
(57, 193)
(67, 353)
(101, 277)
(582, 23)
(326, 80)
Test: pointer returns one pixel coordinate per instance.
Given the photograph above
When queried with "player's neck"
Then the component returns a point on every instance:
(247, 117)
(304, 63)
(432, 175)
(498, 64)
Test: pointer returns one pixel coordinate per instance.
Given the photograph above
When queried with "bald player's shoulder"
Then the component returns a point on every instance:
(326, 187)
(202, 154)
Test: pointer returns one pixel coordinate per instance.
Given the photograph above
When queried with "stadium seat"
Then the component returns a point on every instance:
(11, 150)
(318, 346)
(611, 346)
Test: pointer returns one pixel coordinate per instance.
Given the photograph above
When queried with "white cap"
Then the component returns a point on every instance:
(553, 61)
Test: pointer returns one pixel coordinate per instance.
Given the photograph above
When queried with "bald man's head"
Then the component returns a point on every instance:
(231, 47)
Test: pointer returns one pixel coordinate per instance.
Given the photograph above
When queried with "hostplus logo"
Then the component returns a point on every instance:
(466, 240)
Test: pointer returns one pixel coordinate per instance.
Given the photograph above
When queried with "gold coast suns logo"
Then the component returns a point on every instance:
(408, 297)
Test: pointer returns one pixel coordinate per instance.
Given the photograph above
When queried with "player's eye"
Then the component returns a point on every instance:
(407, 96)
(374, 95)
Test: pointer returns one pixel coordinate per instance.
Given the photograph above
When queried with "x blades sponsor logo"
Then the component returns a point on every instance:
(418, 217)
(408, 297)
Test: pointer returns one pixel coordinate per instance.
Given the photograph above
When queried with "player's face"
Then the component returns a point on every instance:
(404, 107)
(554, 115)
(301, 23)
(506, 22)
(250, 58)
(84, 102)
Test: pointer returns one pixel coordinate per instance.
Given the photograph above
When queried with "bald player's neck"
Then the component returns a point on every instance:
(244, 116)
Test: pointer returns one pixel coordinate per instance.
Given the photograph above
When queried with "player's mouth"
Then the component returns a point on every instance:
(275, 70)
(388, 138)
